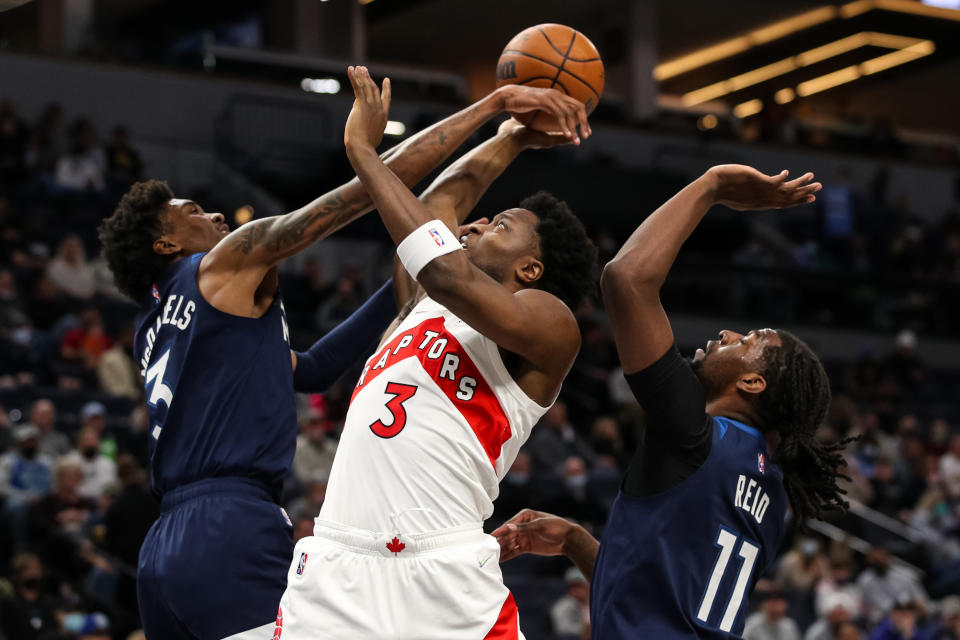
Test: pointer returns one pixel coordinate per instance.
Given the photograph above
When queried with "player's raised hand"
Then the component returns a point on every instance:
(371, 106)
(745, 189)
(532, 531)
(569, 112)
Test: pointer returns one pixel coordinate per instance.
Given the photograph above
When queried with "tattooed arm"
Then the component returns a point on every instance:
(239, 275)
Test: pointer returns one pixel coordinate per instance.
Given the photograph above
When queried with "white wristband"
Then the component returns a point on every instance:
(426, 243)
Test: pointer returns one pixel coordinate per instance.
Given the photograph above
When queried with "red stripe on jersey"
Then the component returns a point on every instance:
(475, 400)
(507, 625)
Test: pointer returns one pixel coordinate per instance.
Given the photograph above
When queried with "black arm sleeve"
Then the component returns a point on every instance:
(678, 432)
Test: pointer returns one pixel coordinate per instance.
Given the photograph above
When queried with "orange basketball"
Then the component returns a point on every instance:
(552, 55)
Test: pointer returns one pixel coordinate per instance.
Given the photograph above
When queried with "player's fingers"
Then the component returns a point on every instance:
(363, 81)
(501, 532)
(781, 177)
(580, 111)
(385, 95)
(557, 108)
(798, 182)
(354, 82)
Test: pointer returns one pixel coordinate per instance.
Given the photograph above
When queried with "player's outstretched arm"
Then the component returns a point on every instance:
(530, 323)
(545, 534)
(631, 281)
(233, 273)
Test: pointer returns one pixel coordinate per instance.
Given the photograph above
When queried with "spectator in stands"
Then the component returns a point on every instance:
(83, 167)
(83, 345)
(93, 415)
(117, 372)
(302, 525)
(45, 144)
(28, 613)
(901, 624)
(59, 522)
(24, 472)
(12, 311)
(127, 522)
(69, 270)
(554, 440)
(339, 306)
(882, 584)
(905, 364)
(99, 471)
(520, 489)
(838, 205)
(314, 493)
(771, 621)
(575, 500)
(570, 615)
(53, 443)
(949, 619)
(124, 166)
(839, 610)
(315, 447)
(802, 566)
(839, 580)
(606, 441)
(950, 468)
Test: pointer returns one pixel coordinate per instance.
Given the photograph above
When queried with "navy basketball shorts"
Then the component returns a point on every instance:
(214, 565)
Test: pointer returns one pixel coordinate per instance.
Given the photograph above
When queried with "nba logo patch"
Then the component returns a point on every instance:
(156, 294)
(437, 237)
(302, 565)
(761, 463)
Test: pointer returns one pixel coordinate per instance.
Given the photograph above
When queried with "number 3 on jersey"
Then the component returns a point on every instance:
(401, 393)
(154, 376)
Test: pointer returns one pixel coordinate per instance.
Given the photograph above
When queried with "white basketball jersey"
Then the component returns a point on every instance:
(434, 423)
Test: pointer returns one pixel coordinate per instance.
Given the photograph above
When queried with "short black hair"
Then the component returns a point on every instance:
(569, 256)
(795, 404)
(128, 235)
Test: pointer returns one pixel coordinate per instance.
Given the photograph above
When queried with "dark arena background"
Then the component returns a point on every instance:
(241, 106)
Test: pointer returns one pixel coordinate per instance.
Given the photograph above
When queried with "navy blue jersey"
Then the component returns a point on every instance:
(680, 563)
(219, 387)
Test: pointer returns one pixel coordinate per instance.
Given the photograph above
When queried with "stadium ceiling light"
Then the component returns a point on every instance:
(866, 68)
(748, 108)
(777, 30)
(395, 128)
(807, 58)
(785, 95)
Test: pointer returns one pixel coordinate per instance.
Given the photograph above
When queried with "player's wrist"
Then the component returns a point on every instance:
(573, 539)
(712, 182)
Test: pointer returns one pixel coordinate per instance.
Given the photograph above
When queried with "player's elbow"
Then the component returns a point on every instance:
(622, 278)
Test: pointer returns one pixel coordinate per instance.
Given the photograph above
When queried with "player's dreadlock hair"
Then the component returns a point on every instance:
(568, 255)
(794, 404)
(127, 237)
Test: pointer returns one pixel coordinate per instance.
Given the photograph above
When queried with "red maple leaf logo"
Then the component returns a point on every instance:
(396, 546)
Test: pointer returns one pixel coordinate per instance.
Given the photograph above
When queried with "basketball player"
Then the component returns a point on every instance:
(702, 506)
(214, 349)
(443, 405)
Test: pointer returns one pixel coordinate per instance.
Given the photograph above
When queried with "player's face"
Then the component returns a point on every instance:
(720, 362)
(191, 228)
(504, 244)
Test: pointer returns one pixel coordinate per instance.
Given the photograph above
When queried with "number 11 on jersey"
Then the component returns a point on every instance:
(726, 541)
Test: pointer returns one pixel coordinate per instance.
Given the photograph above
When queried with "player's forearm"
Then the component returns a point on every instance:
(272, 240)
(647, 256)
(581, 548)
(463, 183)
(400, 210)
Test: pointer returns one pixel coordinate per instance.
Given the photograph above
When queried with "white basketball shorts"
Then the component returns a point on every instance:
(348, 584)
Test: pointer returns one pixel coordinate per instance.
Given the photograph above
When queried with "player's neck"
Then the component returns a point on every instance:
(734, 409)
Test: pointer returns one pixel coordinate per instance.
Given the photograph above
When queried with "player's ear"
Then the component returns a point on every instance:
(166, 245)
(751, 383)
(530, 270)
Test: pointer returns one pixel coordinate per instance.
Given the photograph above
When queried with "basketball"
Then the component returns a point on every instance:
(557, 56)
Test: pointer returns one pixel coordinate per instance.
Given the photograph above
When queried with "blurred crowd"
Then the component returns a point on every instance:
(74, 493)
